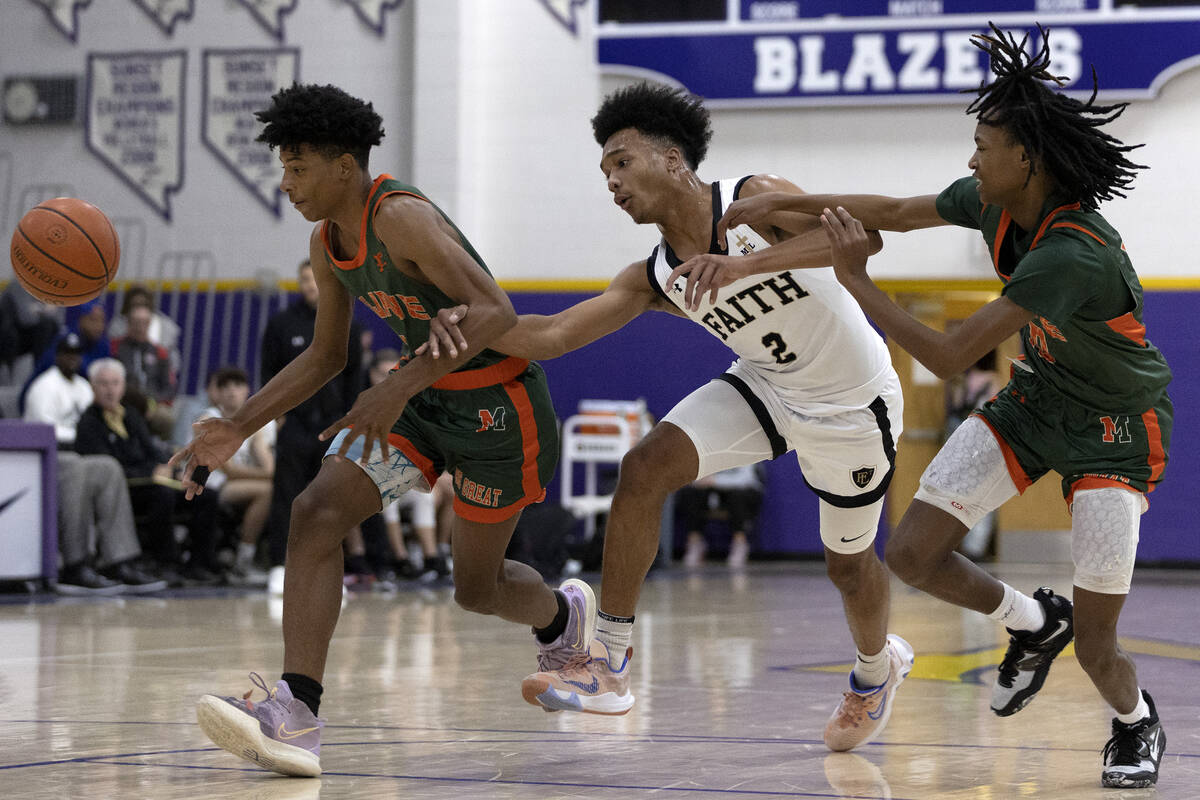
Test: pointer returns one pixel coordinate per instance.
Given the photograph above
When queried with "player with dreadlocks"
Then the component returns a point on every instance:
(1088, 400)
(386, 244)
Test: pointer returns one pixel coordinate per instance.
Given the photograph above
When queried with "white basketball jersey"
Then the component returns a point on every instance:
(799, 329)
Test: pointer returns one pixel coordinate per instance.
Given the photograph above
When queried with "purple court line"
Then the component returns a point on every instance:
(490, 781)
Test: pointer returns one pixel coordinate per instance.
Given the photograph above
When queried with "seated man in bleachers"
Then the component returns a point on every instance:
(150, 372)
(244, 482)
(109, 427)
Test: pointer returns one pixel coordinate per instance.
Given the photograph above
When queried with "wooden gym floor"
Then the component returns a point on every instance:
(735, 676)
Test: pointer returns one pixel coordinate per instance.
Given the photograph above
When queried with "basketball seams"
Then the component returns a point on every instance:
(86, 235)
(62, 264)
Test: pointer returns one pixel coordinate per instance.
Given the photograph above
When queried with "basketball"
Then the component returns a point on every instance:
(65, 251)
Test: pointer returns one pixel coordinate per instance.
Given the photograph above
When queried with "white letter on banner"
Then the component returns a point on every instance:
(869, 62)
(812, 79)
(962, 61)
(916, 72)
(776, 64)
(1065, 46)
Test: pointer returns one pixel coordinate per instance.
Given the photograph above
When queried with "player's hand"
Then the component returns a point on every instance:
(705, 273)
(214, 441)
(849, 243)
(746, 211)
(444, 333)
(372, 417)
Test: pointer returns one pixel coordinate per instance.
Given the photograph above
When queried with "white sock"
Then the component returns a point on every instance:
(615, 632)
(1139, 713)
(871, 671)
(1018, 611)
(245, 554)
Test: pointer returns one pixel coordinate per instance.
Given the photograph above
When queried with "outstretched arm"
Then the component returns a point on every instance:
(797, 239)
(945, 354)
(875, 212)
(545, 336)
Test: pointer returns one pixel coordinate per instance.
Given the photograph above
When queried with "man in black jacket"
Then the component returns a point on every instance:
(110, 428)
(298, 451)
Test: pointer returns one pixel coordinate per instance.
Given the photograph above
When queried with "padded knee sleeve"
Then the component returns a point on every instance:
(1105, 525)
(968, 477)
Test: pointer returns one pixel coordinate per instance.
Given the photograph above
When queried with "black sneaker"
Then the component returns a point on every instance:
(1030, 653)
(83, 580)
(1132, 754)
(136, 581)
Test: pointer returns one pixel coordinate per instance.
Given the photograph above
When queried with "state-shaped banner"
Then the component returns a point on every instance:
(134, 120)
(237, 83)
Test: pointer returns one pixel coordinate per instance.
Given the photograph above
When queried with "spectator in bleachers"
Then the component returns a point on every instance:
(60, 394)
(109, 427)
(244, 483)
(734, 496)
(298, 451)
(88, 321)
(150, 372)
(27, 325)
(97, 538)
(163, 330)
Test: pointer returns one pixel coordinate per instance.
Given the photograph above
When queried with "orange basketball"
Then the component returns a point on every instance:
(65, 251)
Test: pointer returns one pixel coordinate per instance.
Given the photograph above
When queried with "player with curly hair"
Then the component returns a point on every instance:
(1088, 400)
(812, 378)
(484, 417)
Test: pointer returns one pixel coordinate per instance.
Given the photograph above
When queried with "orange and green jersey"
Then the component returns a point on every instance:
(405, 303)
(1087, 340)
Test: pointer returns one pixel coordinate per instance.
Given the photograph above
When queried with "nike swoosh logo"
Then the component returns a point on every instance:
(855, 538)
(879, 710)
(590, 688)
(5, 504)
(1062, 626)
(284, 733)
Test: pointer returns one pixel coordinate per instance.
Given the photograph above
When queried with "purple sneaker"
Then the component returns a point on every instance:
(279, 733)
(581, 626)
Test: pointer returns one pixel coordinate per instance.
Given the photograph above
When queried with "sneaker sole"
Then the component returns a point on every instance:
(239, 734)
(538, 692)
(1025, 696)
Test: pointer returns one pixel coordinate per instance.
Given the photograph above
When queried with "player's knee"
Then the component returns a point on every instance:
(315, 521)
(476, 599)
(848, 572)
(906, 559)
(647, 469)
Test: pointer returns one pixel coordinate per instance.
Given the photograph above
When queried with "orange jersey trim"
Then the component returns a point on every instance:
(1049, 218)
(1157, 458)
(1129, 327)
(1015, 471)
(998, 244)
(404, 445)
(530, 446)
(493, 515)
(1079, 228)
(368, 211)
(1084, 484)
(501, 372)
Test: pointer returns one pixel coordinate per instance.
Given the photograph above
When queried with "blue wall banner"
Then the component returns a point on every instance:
(766, 58)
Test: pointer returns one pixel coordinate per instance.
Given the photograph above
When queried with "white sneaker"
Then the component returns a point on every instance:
(863, 714)
(694, 557)
(739, 551)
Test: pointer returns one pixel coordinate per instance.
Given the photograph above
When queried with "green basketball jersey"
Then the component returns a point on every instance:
(405, 303)
(1087, 340)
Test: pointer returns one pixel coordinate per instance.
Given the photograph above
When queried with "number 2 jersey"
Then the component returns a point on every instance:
(798, 328)
(1087, 341)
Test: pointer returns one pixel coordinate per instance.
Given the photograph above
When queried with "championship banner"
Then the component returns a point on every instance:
(371, 12)
(63, 14)
(166, 13)
(236, 83)
(803, 52)
(269, 14)
(134, 120)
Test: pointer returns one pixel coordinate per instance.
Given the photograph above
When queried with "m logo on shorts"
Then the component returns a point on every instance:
(489, 420)
(862, 476)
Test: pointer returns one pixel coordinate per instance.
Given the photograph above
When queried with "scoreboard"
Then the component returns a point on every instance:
(838, 52)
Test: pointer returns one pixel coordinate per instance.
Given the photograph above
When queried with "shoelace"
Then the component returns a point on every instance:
(577, 660)
(1008, 667)
(853, 705)
(258, 681)
(1127, 745)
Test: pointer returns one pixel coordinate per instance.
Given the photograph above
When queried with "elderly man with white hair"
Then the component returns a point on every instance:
(111, 428)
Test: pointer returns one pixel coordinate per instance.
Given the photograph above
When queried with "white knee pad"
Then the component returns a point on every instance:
(1105, 525)
(849, 530)
(968, 477)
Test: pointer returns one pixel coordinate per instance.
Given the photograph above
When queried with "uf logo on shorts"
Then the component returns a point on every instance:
(493, 419)
(862, 476)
